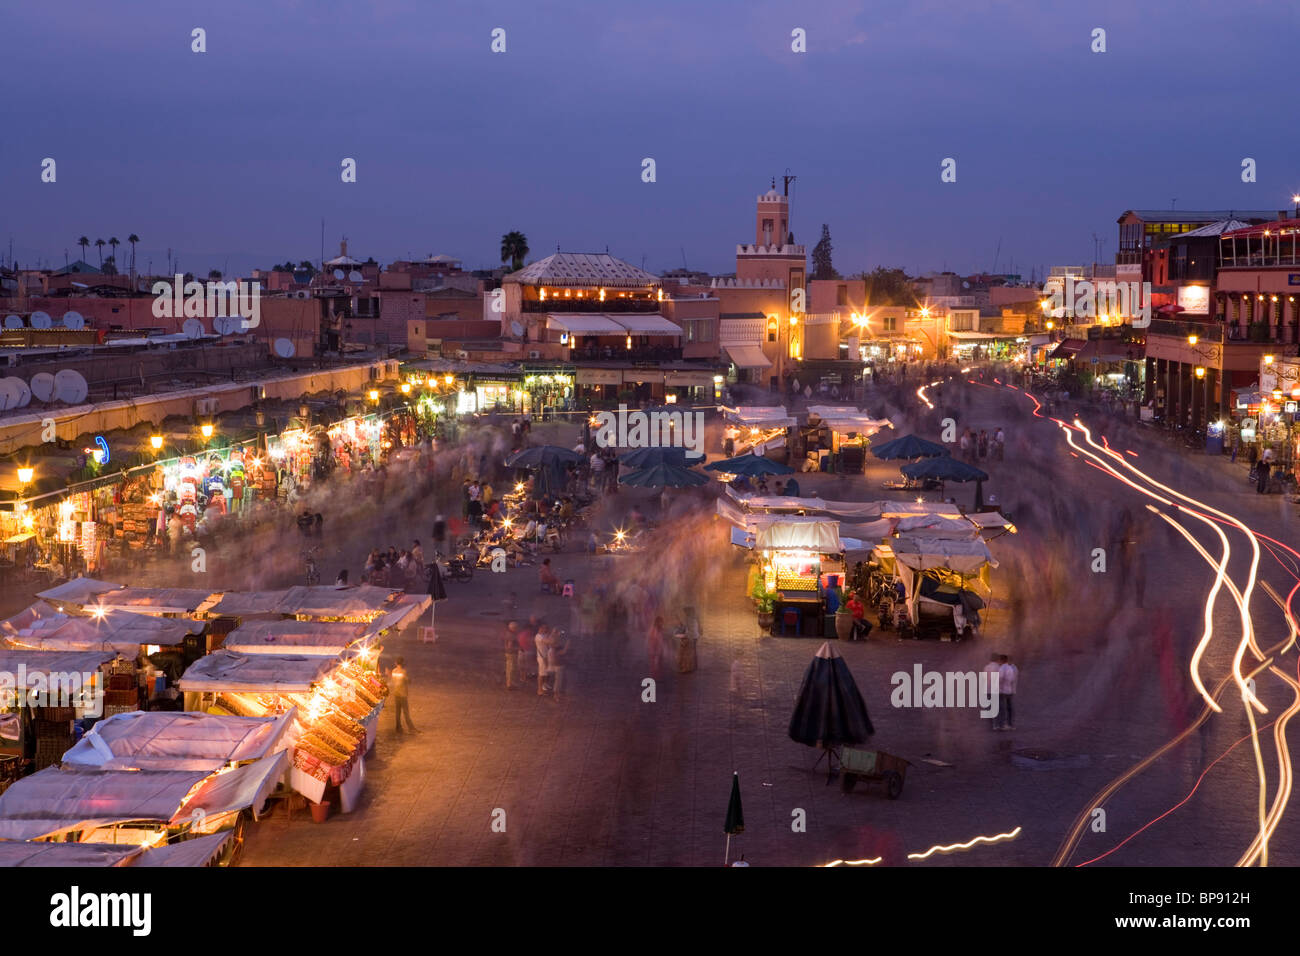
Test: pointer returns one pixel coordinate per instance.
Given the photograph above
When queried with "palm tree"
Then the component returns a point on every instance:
(133, 239)
(85, 244)
(113, 244)
(514, 248)
(99, 245)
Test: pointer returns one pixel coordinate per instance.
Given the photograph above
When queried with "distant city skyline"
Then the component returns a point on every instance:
(231, 157)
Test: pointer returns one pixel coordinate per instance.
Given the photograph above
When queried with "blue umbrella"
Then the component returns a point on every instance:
(909, 446)
(663, 476)
(752, 466)
(945, 468)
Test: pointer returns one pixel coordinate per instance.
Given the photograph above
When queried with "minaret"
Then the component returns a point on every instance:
(772, 222)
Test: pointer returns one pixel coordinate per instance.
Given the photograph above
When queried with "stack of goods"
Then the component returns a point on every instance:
(136, 521)
(122, 695)
(329, 746)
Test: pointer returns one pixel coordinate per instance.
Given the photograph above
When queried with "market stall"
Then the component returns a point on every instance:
(338, 706)
(799, 561)
(839, 439)
(937, 580)
(42, 696)
(307, 638)
(757, 428)
(179, 741)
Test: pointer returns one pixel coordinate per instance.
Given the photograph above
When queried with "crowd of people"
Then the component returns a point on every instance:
(393, 568)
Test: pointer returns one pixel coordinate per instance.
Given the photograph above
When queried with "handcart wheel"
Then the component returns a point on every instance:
(893, 784)
(848, 781)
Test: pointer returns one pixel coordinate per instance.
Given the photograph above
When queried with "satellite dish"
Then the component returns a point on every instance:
(74, 320)
(516, 328)
(24, 393)
(192, 328)
(9, 394)
(41, 320)
(355, 276)
(43, 386)
(338, 273)
(227, 324)
(284, 348)
(13, 322)
(70, 387)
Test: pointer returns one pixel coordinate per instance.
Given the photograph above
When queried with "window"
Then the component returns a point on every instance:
(889, 324)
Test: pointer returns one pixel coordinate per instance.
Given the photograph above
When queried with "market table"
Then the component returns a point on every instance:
(808, 604)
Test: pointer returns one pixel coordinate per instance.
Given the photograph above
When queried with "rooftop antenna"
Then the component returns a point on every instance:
(683, 248)
(1171, 203)
(322, 245)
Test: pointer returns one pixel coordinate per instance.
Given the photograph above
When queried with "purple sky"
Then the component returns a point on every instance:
(231, 158)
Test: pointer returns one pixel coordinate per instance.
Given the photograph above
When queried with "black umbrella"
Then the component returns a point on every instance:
(829, 710)
(435, 587)
(735, 815)
(543, 455)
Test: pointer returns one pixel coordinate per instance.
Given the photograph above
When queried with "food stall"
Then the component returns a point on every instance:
(757, 428)
(42, 694)
(174, 740)
(338, 706)
(840, 442)
(799, 560)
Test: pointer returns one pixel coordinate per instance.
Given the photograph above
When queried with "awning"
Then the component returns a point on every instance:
(76, 591)
(176, 740)
(964, 556)
(579, 324)
(306, 638)
(157, 600)
(977, 336)
(1067, 349)
(635, 376)
(747, 356)
(195, 852)
(598, 376)
(27, 854)
(56, 799)
(766, 416)
(20, 538)
(246, 786)
(688, 378)
(795, 534)
(638, 324)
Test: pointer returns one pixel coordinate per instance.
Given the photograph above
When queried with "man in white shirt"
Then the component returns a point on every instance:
(1008, 674)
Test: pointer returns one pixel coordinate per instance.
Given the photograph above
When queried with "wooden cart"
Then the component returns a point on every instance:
(872, 765)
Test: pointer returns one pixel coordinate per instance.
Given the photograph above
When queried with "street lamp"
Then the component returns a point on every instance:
(1296, 200)
(374, 394)
(1050, 325)
(25, 475)
(1200, 371)
(155, 441)
(1268, 359)
(1192, 339)
(406, 388)
(206, 430)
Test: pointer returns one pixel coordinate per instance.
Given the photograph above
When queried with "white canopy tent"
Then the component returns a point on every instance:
(118, 630)
(78, 591)
(800, 534)
(848, 420)
(172, 740)
(156, 600)
(27, 854)
(303, 638)
(914, 553)
(58, 799)
(199, 851)
(759, 416)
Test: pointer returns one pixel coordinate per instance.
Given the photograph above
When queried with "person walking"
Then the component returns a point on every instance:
(510, 648)
(398, 683)
(558, 662)
(994, 669)
(982, 445)
(527, 649)
(999, 444)
(1008, 675)
(439, 535)
(686, 657)
(543, 642)
(965, 444)
(1262, 471)
(655, 646)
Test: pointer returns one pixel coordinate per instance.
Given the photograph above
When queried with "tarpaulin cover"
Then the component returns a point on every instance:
(40, 611)
(246, 786)
(119, 630)
(965, 556)
(829, 709)
(329, 601)
(988, 521)
(57, 799)
(14, 853)
(77, 591)
(307, 638)
(807, 535)
(846, 419)
(172, 740)
(249, 603)
(759, 416)
(157, 600)
(405, 607)
(255, 673)
(46, 662)
(939, 526)
(198, 851)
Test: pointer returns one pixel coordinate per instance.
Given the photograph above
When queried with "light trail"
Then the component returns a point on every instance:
(997, 838)
(949, 848)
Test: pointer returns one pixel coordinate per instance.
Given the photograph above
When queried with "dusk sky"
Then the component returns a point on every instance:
(232, 157)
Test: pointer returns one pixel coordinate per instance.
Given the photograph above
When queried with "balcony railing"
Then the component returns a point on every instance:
(612, 304)
(648, 353)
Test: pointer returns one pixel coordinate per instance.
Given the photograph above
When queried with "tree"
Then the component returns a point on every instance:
(110, 266)
(133, 239)
(514, 249)
(214, 274)
(305, 266)
(113, 243)
(889, 287)
(823, 268)
(85, 244)
(99, 245)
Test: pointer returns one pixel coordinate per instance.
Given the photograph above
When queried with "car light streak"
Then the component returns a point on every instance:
(997, 838)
